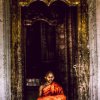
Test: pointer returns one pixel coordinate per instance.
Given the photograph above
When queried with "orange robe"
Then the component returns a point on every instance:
(52, 92)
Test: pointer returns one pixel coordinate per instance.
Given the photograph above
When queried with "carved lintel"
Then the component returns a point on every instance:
(49, 2)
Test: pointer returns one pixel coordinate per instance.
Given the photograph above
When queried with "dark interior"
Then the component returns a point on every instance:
(40, 23)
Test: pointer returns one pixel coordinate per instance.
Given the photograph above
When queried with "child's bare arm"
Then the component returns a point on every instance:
(40, 90)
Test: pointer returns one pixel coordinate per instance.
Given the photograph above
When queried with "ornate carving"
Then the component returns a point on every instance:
(16, 52)
(82, 65)
(49, 2)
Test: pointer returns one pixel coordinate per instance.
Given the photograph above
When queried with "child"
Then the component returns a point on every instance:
(50, 90)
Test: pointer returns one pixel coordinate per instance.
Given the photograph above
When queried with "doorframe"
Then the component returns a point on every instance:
(93, 53)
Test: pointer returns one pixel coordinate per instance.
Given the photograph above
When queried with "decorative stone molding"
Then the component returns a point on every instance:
(49, 2)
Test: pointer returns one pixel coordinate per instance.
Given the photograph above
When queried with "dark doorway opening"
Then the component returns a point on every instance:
(40, 55)
(47, 46)
(40, 49)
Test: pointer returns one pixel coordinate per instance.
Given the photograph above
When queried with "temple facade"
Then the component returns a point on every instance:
(41, 35)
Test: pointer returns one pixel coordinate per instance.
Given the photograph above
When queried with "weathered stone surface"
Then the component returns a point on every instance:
(98, 42)
(2, 77)
(93, 89)
(4, 51)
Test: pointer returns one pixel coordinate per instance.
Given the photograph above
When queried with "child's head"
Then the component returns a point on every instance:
(49, 77)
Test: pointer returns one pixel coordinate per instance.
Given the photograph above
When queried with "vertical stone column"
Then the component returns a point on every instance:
(16, 52)
(93, 87)
(5, 51)
(98, 43)
(2, 76)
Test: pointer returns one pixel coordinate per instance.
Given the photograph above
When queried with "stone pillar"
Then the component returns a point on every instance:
(7, 48)
(93, 87)
(5, 89)
(98, 42)
(2, 76)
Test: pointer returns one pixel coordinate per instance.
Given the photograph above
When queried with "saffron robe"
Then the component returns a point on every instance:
(52, 92)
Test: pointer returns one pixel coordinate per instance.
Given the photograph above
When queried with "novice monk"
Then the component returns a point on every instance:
(50, 90)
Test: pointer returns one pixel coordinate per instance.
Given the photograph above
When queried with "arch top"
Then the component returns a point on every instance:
(49, 2)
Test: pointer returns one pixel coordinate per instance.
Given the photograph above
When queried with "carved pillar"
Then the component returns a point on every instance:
(82, 63)
(16, 52)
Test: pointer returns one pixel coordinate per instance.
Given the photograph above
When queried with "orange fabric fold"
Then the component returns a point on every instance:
(52, 92)
(56, 97)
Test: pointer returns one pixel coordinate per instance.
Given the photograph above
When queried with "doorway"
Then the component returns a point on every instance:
(48, 46)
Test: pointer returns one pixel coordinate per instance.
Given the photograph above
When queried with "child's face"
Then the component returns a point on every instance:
(49, 78)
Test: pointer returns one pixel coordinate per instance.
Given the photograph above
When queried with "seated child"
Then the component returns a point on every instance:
(50, 90)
